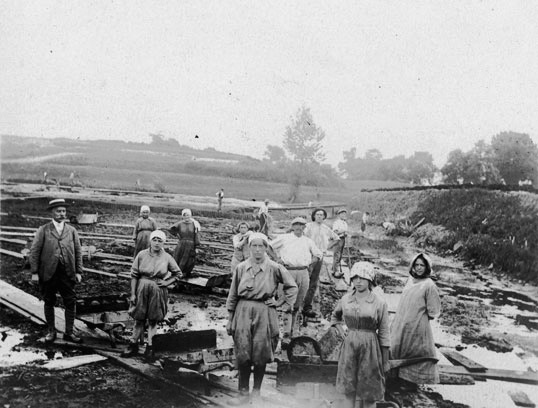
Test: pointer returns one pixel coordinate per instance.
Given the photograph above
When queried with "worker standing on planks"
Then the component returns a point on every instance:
(143, 228)
(56, 262)
(324, 238)
(296, 252)
(252, 314)
(340, 228)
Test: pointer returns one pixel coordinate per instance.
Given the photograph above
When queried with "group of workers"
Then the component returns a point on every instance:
(266, 274)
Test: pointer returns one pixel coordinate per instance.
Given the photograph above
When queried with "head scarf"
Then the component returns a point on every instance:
(298, 220)
(258, 235)
(427, 269)
(363, 270)
(186, 211)
(144, 208)
(159, 234)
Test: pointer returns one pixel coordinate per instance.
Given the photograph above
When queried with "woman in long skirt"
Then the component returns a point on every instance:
(411, 333)
(149, 294)
(252, 315)
(185, 251)
(143, 228)
(363, 358)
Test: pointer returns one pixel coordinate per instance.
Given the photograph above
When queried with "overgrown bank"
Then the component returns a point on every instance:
(488, 227)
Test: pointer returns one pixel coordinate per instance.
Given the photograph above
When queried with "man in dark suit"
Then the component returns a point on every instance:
(56, 257)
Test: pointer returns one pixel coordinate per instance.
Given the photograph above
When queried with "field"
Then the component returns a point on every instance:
(130, 166)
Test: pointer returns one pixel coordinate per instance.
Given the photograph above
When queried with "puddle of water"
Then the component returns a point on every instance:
(11, 355)
(491, 394)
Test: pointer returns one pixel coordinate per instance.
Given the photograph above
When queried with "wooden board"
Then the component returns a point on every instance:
(34, 307)
(521, 399)
(72, 362)
(154, 374)
(185, 341)
(459, 359)
(11, 253)
(523, 377)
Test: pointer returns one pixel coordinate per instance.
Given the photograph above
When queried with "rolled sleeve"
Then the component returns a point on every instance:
(290, 287)
(336, 316)
(233, 296)
(383, 331)
(433, 302)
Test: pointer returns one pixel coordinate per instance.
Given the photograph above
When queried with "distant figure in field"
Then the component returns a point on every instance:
(72, 178)
(45, 174)
(220, 197)
(143, 228)
(185, 252)
(263, 217)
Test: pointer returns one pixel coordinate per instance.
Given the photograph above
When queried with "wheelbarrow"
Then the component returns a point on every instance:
(311, 354)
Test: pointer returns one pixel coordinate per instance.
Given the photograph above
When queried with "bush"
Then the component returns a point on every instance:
(430, 235)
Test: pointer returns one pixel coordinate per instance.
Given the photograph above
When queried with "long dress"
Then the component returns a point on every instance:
(360, 364)
(151, 297)
(255, 322)
(142, 230)
(411, 333)
(185, 251)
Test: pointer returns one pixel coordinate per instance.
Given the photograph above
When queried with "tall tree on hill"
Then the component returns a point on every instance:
(516, 156)
(475, 166)
(303, 141)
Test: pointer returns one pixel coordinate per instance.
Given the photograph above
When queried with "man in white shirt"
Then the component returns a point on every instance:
(296, 252)
(340, 228)
(323, 237)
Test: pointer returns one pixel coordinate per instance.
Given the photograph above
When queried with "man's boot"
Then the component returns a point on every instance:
(69, 323)
(49, 317)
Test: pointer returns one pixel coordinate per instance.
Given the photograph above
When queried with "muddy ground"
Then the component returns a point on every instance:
(478, 310)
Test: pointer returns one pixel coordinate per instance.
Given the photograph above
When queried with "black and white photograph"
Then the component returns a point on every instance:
(264, 204)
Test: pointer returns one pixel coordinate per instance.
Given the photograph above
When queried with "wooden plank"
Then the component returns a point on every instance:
(72, 362)
(14, 241)
(33, 306)
(11, 253)
(459, 359)
(23, 312)
(523, 377)
(521, 399)
(185, 341)
(153, 373)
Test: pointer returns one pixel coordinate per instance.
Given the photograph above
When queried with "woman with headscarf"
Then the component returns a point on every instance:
(187, 232)
(364, 354)
(411, 333)
(142, 229)
(252, 315)
(149, 293)
(240, 243)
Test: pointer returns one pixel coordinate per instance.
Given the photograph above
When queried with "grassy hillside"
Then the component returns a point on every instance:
(490, 227)
(176, 169)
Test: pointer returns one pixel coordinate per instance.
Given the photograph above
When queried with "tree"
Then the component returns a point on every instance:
(516, 156)
(303, 139)
(275, 154)
(420, 167)
(303, 142)
(455, 169)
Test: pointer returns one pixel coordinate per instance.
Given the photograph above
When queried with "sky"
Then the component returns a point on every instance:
(399, 76)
